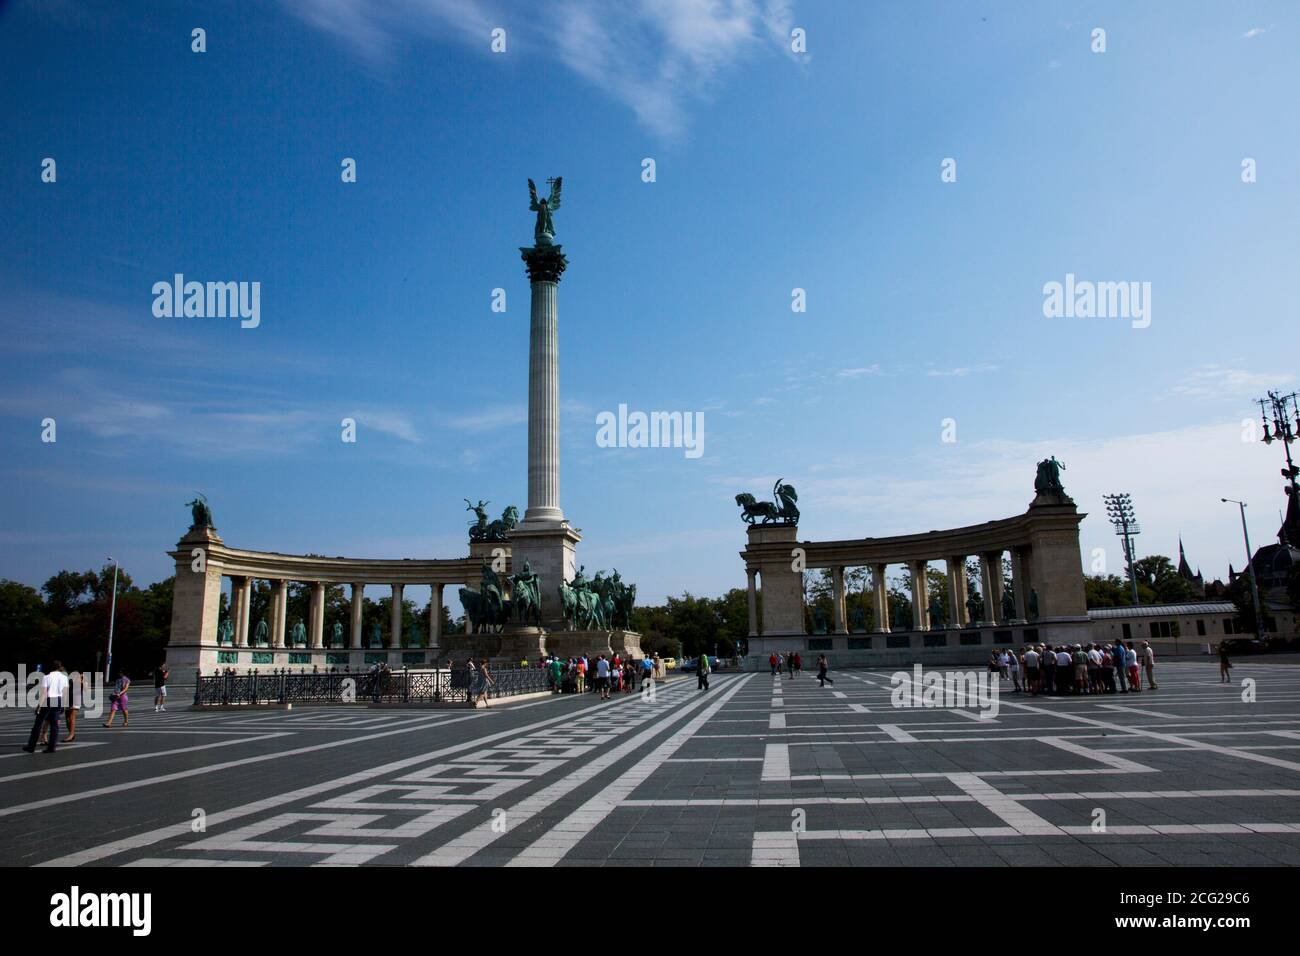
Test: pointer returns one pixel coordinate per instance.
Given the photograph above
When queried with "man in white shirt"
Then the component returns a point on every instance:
(1149, 660)
(54, 694)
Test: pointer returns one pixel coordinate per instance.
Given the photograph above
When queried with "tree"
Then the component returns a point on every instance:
(1159, 581)
(1106, 590)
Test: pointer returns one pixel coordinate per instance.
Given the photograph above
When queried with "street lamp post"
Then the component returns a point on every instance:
(112, 618)
(1283, 430)
(1250, 567)
(1119, 507)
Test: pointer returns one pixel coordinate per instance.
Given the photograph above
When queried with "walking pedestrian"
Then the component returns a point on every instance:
(823, 666)
(798, 664)
(118, 700)
(54, 691)
(484, 682)
(703, 676)
(1225, 665)
(160, 687)
(602, 677)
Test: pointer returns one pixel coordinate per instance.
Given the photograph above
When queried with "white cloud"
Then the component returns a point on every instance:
(873, 369)
(961, 372)
(498, 416)
(1254, 32)
(1222, 382)
(652, 56)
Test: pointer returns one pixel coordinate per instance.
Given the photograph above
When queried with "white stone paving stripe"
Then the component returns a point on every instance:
(130, 758)
(566, 835)
(467, 844)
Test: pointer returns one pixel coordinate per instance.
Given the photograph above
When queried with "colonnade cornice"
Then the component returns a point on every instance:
(270, 565)
(972, 540)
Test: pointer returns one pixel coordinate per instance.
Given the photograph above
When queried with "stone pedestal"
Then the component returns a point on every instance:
(521, 643)
(782, 586)
(574, 643)
(549, 550)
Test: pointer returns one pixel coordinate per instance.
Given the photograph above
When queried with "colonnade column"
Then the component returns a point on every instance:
(837, 601)
(991, 567)
(752, 573)
(395, 617)
(882, 598)
(435, 614)
(957, 590)
(244, 588)
(316, 632)
(280, 601)
(1020, 582)
(355, 637)
(920, 597)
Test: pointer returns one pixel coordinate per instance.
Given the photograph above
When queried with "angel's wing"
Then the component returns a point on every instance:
(554, 201)
(532, 196)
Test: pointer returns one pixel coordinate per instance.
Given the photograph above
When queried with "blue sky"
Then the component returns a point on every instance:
(775, 171)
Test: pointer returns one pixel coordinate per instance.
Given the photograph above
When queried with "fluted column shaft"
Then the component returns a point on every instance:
(544, 405)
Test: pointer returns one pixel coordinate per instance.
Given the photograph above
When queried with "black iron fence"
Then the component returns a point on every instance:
(405, 686)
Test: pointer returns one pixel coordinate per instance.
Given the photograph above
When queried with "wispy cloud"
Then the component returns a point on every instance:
(960, 372)
(653, 56)
(498, 416)
(859, 372)
(1254, 32)
(1222, 382)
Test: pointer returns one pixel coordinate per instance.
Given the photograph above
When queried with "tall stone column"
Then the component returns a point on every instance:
(991, 568)
(920, 595)
(752, 573)
(316, 633)
(281, 591)
(395, 617)
(355, 638)
(241, 587)
(882, 597)
(956, 600)
(545, 266)
(435, 615)
(837, 601)
(544, 541)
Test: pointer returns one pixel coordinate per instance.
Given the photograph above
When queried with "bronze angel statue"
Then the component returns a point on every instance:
(544, 231)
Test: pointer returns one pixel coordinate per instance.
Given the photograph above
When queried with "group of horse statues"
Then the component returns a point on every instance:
(600, 603)
(494, 604)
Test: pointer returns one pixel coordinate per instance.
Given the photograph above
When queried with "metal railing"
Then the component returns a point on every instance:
(383, 686)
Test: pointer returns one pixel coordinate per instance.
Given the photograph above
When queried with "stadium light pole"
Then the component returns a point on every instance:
(112, 618)
(1119, 507)
(1250, 567)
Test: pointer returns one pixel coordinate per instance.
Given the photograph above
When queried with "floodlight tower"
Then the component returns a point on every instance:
(1119, 507)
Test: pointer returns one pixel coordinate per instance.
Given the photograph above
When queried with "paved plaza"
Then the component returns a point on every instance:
(758, 770)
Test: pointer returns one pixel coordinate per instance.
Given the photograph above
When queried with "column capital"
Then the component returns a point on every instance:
(544, 263)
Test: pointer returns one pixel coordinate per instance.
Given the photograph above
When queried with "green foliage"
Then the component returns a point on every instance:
(68, 620)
